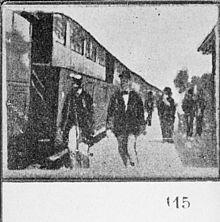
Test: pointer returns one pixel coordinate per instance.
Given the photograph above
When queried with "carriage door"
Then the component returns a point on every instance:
(44, 81)
(109, 68)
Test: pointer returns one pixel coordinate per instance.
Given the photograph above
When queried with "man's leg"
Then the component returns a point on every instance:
(78, 150)
(163, 129)
(149, 118)
(197, 126)
(187, 125)
(199, 120)
(166, 130)
(126, 140)
(72, 143)
(121, 148)
(191, 118)
(170, 127)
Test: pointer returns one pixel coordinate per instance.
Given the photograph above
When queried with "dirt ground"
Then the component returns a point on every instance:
(154, 160)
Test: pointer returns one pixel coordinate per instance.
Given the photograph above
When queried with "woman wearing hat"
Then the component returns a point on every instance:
(166, 108)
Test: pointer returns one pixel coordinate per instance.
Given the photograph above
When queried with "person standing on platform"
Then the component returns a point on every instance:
(76, 126)
(199, 112)
(158, 99)
(188, 107)
(125, 116)
(166, 110)
(149, 106)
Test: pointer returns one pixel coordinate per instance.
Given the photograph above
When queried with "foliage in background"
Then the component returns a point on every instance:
(207, 85)
(181, 79)
(200, 152)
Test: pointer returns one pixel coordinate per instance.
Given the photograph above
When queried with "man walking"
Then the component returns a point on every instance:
(149, 106)
(188, 107)
(76, 126)
(166, 110)
(199, 112)
(125, 116)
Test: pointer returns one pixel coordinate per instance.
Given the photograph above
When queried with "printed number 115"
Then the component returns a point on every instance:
(179, 202)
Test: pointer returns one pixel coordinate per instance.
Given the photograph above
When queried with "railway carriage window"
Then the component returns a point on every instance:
(88, 48)
(91, 50)
(94, 53)
(76, 40)
(59, 29)
(101, 57)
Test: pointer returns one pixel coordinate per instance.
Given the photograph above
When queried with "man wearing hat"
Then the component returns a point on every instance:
(125, 116)
(149, 106)
(166, 109)
(77, 116)
(188, 106)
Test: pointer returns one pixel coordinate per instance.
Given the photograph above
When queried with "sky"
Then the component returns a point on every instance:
(155, 41)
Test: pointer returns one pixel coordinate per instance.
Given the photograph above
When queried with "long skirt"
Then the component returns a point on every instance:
(167, 127)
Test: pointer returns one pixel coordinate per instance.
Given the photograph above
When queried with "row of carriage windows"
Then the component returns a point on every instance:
(78, 41)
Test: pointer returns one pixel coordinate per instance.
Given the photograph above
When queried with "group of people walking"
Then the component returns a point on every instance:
(125, 116)
(193, 106)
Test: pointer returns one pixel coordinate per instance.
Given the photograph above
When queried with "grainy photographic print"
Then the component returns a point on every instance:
(110, 91)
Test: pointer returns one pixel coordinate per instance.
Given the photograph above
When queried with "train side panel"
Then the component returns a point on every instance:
(71, 49)
(100, 91)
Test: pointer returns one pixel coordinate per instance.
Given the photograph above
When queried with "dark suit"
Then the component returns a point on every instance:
(188, 107)
(199, 113)
(78, 110)
(149, 106)
(125, 122)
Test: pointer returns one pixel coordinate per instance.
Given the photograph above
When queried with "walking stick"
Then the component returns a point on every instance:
(77, 155)
(135, 149)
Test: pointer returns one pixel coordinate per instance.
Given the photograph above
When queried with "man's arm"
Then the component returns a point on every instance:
(64, 112)
(110, 112)
(141, 111)
(89, 104)
(141, 115)
(160, 107)
(173, 108)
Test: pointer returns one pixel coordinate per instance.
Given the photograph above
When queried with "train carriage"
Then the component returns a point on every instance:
(43, 49)
(56, 46)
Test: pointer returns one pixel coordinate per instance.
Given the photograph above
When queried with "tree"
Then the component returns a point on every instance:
(181, 80)
(196, 81)
(205, 83)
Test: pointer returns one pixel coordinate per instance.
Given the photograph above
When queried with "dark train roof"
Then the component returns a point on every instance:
(145, 82)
